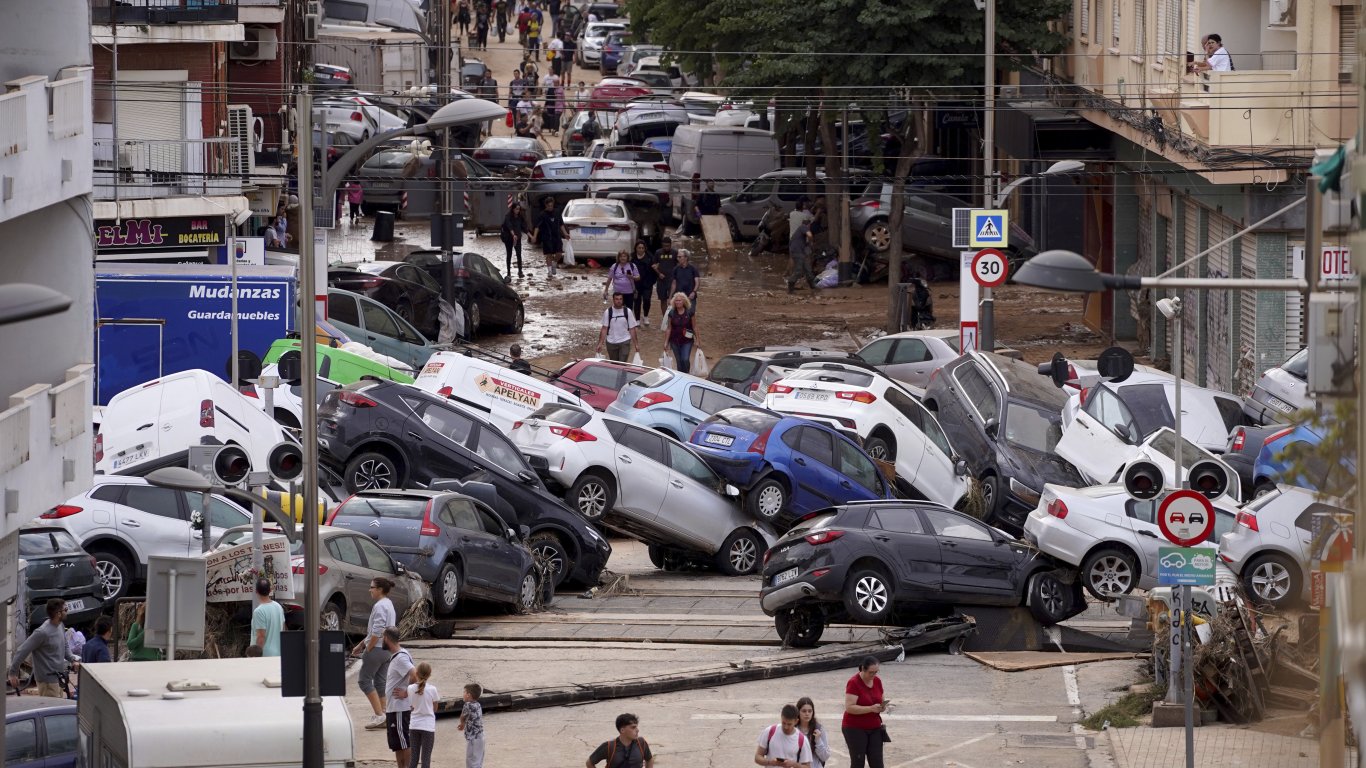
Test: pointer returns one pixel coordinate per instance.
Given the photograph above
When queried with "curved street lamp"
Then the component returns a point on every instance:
(27, 301)
(1060, 270)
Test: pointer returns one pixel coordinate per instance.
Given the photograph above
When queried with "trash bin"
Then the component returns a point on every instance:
(384, 227)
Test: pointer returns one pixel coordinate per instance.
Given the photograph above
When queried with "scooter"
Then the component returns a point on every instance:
(922, 305)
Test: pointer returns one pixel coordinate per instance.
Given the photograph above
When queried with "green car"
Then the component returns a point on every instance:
(339, 366)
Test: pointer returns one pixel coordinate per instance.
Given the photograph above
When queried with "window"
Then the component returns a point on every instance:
(110, 493)
(977, 391)
(1142, 510)
(1097, 35)
(496, 449)
(21, 741)
(493, 525)
(710, 401)
(421, 277)
(910, 351)
(792, 190)
(956, 526)
(1230, 410)
(460, 514)
(1111, 413)
(812, 442)
(648, 444)
(1114, 24)
(448, 423)
(602, 376)
(759, 190)
(162, 502)
(221, 513)
(856, 465)
(1347, 42)
(901, 520)
(342, 309)
(375, 557)
(878, 352)
(1141, 28)
(61, 734)
(344, 548)
(53, 541)
(378, 320)
(685, 463)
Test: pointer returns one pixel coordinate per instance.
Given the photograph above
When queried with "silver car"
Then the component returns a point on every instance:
(926, 223)
(1281, 391)
(346, 564)
(911, 357)
(780, 189)
(563, 178)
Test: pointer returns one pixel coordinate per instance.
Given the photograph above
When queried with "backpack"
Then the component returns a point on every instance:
(612, 750)
(772, 729)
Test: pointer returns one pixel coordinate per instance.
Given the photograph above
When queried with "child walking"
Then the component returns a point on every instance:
(422, 727)
(472, 723)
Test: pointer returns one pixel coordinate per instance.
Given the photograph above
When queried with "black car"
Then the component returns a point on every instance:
(327, 76)
(400, 286)
(382, 435)
(454, 542)
(872, 561)
(743, 369)
(59, 567)
(499, 153)
(42, 731)
(1006, 420)
(480, 288)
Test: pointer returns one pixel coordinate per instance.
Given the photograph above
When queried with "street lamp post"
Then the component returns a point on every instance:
(1072, 272)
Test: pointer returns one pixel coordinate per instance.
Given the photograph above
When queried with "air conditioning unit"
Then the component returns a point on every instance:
(1338, 208)
(261, 44)
(241, 157)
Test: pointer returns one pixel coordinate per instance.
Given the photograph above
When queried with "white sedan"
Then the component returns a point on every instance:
(1112, 538)
(599, 227)
(1270, 548)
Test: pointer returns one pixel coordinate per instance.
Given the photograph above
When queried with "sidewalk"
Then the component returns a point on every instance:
(1216, 746)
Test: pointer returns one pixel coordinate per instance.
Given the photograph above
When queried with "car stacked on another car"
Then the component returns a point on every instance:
(561, 178)
(378, 327)
(631, 169)
(1280, 391)
(1270, 547)
(481, 290)
(404, 288)
(671, 402)
(743, 370)
(501, 153)
(595, 380)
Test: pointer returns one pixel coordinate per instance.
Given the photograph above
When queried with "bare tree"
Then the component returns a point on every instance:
(914, 136)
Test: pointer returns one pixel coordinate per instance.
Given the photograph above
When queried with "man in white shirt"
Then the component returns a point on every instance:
(1216, 56)
(618, 330)
(783, 745)
(398, 708)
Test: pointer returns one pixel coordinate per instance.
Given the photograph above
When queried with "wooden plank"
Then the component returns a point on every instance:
(1021, 661)
(716, 233)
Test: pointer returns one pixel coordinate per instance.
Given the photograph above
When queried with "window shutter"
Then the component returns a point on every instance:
(1085, 26)
(1347, 42)
(1114, 24)
(1141, 28)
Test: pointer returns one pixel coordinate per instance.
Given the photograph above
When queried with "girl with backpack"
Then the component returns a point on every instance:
(809, 726)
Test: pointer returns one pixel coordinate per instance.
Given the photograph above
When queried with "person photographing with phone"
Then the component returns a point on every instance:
(864, 704)
(782, 744)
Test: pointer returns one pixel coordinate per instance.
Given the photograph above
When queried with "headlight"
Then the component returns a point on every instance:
(594, 535)
(1023, 492)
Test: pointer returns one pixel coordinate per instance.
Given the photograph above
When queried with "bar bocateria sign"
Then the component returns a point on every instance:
(167, 233)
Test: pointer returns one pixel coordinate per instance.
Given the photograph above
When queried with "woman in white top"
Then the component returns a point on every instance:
(374, 659)
(422, 727)
(809, 725)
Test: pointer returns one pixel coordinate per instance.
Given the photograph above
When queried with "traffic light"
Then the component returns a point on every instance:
(285, 462)
(1143, 479)
(231, 465)
(1208, 478)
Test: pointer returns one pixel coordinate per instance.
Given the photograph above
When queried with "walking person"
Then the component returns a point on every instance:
(627, 750)
(550, 235)
(422, 727)
(863, 708)
(516, 88)
(809, 726)
(373, 656)
(622, 277)
(267, 619)
(783, 744)
(398, 710)
(644, 262)
(355, 199)
(571, 49)
(514, 227)
(682, 333)
(618, 330)
(686, 278)
(472, 723)
(799, 250)
(96, 649)
(666, 258)
(47, 646)
(462, 17)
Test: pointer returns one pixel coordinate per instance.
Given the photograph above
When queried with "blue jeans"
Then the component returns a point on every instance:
(683, 354)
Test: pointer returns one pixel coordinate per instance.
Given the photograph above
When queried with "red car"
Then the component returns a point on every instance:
(614, 95)
(596, 380)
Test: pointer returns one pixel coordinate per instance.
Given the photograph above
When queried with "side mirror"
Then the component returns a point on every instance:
(960, 468)
(990, 427)
(526, 477)
(1123, 431)
(732, 491)
(524, 531)
(512, 535)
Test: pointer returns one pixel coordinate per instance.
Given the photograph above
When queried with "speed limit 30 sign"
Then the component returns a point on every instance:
(990, 268)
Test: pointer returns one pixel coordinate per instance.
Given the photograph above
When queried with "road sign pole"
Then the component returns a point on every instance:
(1188, 659)
(968, 291)
(1175, 648)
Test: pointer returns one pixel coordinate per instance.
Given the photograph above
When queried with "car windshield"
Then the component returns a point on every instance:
(1164, 442)
(594, 209)
(559, 414)
(733, 368)
(1298, 365)
(749, 419)
(1031, 428)
(391, 159)
(401, 509)
(634, 155)
(47, 543)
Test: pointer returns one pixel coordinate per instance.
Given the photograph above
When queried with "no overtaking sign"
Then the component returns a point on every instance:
(1186, 518)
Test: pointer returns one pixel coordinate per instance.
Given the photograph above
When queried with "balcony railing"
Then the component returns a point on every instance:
(162, 11)
(164, 168)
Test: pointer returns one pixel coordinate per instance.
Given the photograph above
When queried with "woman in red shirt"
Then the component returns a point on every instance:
(863, 708)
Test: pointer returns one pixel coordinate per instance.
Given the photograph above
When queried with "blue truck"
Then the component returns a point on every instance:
(156, 319)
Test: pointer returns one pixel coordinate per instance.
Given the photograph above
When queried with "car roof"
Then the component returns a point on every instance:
(19, 705)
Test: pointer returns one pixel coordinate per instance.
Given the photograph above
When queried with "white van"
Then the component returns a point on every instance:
(501, 395)
(729, 155)
(134, 715)
(154, 424)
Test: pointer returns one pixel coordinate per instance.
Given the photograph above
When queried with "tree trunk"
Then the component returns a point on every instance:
(836, 198)
(913, 138)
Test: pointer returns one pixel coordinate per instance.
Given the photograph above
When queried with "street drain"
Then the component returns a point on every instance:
(1054, 740)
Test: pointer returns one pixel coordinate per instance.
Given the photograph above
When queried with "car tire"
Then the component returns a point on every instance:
(371, 471)
(656, 556)
(1263, 488)
(880, 447)
(868, 596)
(1050, 599)
(518, 320)
(1272, 580)
(1107, 572)
(800, 626)
(115, 575)
(548, 545)
(592, 495)
(878, 235)
(991, 497)
(767, 499)
(446, 589)
(332, 617)
(526, 594)
(472, 320)
(734, 228)
(742, 553)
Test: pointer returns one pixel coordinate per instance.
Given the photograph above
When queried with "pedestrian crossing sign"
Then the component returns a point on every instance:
(989, 229)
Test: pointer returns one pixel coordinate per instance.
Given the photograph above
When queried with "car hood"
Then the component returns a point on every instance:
(1034, 468)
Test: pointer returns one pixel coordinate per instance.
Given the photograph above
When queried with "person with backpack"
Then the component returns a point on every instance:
(618, 330)
(628, 750)
(783, 744)
(622, 277)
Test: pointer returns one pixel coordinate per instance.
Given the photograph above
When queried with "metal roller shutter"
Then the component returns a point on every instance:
(152, 112)
(1191, 357)
(1218, 312)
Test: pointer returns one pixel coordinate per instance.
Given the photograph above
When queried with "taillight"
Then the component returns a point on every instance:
(528, 157)
(298, 567)
(576, 137)
(1239, 439)
(620, 227)
(337, 510)
(760, 443)
(822, 537)
(857, 396)
(344, 76)
(1071, 372)
(206, 413)
(356, 399)
(357, 116)
(538, 172)
(99, 448)
(1247, 520)
(517, 424)
(367, 283)
(1274, 436)
(603, 165)
(481, 154)
(429, 528)
(754, 386)
(60, 511)
(933, 375)
(1057, 509)
(779, 389)
(662, 167)
(873, 204)
(1081, 399)
(445, 391)
(653, 398)
(573, 434)
(462, 273)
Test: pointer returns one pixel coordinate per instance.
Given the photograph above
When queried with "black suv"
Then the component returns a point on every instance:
(382, 435)
(743, 369)
(1006, 421)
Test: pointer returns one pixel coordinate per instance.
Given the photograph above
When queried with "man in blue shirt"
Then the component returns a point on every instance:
(97, 648)
(267, 619)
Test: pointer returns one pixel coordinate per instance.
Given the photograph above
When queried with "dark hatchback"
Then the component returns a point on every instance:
(872, 562)
(59, 567)
(1006, 421)
(499, 153)
(382, 435)
(404, 288)
(480, 288)
(41, 731)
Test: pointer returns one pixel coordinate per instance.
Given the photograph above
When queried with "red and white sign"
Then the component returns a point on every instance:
(1186, 518)
(1335, 263)
(967, 336)
(990, 268)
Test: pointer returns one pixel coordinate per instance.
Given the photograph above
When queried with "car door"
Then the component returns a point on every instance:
(936, 477)
(750, 203)
(22, 742)
(345, 551)
(468, 537)
(976, 402)
(978, 567)
(440, 442)
(910, 444)
(642, 472)
(61, 740)
(859, 477)
(222, 516)
(424, 307)
(343, 311)
(502, 301)
(481, 281)
(391, 335)
(156, 518)
(506, 574)
(817, 484)
(899, 533)
(1098, 442)
(911, 362)
(694, 508)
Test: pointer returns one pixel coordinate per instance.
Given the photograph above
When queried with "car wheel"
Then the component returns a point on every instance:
(526, 596)
(547, 545)
(371, 471)
(880, 448)
(473, 320)
(331, 620)
(1050, 600)
(518, 320)
(878, 235)
(767, 499)
(1271, 580)
(801, 626)
(991, 491)
(115, 576)
(741, 554)
(868, 596)
(1108, 572)
(592, 495)
(1262, 489)
(446, 589)
(734, 228)
(656, 556)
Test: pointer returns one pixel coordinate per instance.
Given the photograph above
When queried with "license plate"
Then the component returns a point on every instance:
(131, 458)
(818, 396)
(567, 172)
(785, 576)
(593, 230)
(1279, 404)
(633, 171)
(723, 440)
(75, 605)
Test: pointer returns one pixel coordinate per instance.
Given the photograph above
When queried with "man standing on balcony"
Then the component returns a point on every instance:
(1216, 56)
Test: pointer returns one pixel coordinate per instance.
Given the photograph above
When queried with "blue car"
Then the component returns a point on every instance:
(40, 730)
(671, 402)
(612, 48)
(787, 466)
(1278, 451)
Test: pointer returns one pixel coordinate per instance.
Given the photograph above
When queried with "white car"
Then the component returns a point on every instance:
(501, 395)
(347, 118)
(383, 118)
(642, 483)
(1271, 546)
(121, 521)
(599, 227)
(892, 425)
(630, 169)
(1111, 537)
(288, 398)
(593, 36)
(1280, 391)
